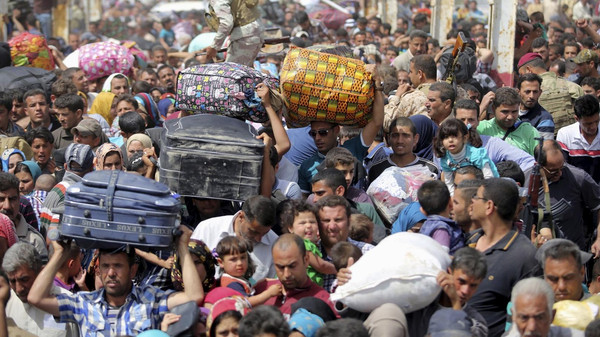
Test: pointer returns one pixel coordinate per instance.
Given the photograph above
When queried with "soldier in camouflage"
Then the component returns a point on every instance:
(240, 20)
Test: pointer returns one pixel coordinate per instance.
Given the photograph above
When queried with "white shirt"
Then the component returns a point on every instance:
(211, 231)
(37, 321)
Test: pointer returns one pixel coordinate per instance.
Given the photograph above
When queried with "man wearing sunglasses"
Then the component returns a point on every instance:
(325, 136)
(573, 194)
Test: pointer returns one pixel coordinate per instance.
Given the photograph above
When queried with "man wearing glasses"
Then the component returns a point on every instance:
(510, 256)
(572, 193)
(325, 136)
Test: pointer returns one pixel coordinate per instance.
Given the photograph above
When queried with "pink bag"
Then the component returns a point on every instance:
(101, 59)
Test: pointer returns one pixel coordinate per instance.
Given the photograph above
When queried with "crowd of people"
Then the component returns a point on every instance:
(512, 188)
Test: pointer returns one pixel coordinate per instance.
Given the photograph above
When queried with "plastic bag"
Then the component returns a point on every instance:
(397, 187)
(574, 314)
(407, 280)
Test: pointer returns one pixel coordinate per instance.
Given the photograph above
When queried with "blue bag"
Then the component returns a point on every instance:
(110, 209)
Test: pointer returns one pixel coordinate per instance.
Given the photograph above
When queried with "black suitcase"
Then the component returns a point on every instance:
(110, 209)
(211, 156)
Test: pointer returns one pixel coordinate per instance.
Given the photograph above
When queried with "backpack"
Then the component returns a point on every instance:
(556, 99)
(466, 66)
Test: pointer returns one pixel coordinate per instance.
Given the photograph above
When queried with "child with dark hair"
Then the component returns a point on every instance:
(457, 145)
(237, 268)
(341, 252)
(436, 203)
(305, 224)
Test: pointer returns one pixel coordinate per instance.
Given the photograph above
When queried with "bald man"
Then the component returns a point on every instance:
(291, 260)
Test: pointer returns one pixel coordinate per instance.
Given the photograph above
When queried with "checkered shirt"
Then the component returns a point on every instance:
(144, 309)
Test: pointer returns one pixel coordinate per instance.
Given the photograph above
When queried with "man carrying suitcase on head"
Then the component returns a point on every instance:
(119, 308)
(240, 20)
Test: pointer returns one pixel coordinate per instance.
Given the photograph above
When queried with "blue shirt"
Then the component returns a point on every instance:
(309, 167)
(541, 119)
(168, 36)
(144, 309)
(302, 145)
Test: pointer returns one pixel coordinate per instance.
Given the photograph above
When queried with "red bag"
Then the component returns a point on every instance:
(31, 50)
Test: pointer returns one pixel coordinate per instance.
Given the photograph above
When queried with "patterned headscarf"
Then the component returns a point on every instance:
(164, 104)
(201, 250)
(6, 157)
(102, 105)
(103, 151)
(150, 106)
(7, 230)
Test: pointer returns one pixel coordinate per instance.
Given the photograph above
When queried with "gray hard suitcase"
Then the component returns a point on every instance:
(110, 209)
(211, 156)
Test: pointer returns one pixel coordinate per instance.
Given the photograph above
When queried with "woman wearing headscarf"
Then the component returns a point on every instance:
(426, 129)
(149, 106)
(10, 158)
(108, 157)
(164, 105)
(103, 107)
(410, 219)
(206, 266)
(141, 156)
(28, 172)
(138, 142)
(107, 86)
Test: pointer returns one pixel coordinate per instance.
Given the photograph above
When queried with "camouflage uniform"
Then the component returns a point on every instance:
(240, 19)
(411, 103)
(558, 96)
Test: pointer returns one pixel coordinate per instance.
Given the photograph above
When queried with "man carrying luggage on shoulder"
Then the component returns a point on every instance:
(120, 307)
(325, 136)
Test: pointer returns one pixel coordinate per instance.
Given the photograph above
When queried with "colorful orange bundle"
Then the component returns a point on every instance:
(31, 50)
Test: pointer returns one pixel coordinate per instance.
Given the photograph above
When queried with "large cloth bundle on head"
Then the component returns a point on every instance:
(31, 50)
(397, 187)
(325, 87)
(226, 89)
(401, 269)
(101, 59)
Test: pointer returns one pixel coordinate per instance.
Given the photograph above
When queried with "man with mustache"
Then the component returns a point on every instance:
(252, 223)
(532, 312)
(166, 78)
(9, 206)
(530, 89)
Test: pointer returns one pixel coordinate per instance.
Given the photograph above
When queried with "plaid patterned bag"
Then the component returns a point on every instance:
(224, 89)
(325, 87)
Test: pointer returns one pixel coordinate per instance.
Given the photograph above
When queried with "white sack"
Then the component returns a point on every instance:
(401, 269)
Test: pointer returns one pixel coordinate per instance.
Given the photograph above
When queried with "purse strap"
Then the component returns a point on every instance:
(110, 194)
